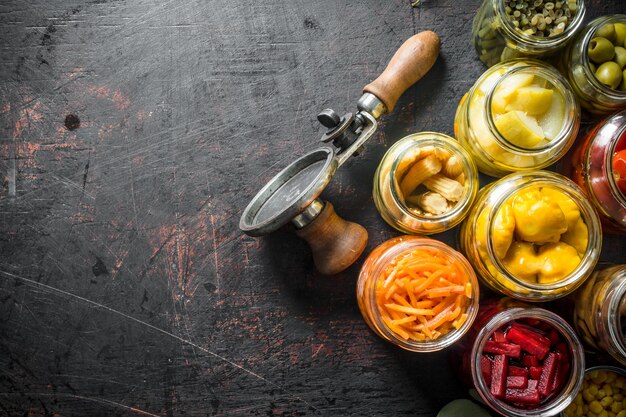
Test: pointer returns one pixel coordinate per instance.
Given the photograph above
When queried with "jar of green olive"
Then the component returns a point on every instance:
(532, 236)
(505, 29)
(594, 63)
(425, 184)
(600, 311)
(519, 115)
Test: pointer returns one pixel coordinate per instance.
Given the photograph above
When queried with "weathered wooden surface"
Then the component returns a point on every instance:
(126, 287)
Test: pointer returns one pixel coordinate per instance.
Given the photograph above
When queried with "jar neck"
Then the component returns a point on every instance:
(530, 44)
(577, 366)
(612, 318)
(608, 162)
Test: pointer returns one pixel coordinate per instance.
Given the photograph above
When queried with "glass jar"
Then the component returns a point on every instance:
(603, 385)
(371, 278)
(575, 64)
(591, 168)
(600, 311)
(574, 350)
(483, 126)
(497, 39)
(396, 209)
(483, 231)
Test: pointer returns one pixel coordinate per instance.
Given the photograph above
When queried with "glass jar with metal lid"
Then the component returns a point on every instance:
(580, 70)
(504, 29)
(519, 115)
(402, 304)
(600, 311)
(405, 184)
(532, 236)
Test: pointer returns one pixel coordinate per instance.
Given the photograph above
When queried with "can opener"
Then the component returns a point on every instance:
(292, 195)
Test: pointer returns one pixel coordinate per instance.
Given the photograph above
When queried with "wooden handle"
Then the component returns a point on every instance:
(410, 62)
(335, 242)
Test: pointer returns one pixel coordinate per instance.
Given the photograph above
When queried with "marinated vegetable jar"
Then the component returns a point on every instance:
(503, 30)
(526, 361)
(532, 236)
(595, 95)
(417, 293)
(595, 169)
(603, 393)
(425, 183)
(519, 115)
(600, 311)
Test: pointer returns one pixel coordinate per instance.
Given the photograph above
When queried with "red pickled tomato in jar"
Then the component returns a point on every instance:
(588, 170)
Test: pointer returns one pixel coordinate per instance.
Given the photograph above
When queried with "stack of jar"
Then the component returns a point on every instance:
(533, 235)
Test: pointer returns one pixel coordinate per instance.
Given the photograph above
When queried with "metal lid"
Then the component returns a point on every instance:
(289, 193)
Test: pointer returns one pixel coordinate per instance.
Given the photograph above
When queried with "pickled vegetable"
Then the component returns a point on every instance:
(603, 394)
(423, 294)
(539, 235)
(431, 181)
(522, 365)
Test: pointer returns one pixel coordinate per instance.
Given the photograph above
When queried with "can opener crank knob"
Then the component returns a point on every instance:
(292, 194)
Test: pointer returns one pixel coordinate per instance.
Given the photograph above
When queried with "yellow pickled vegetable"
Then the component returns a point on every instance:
(558, 260)
(538, 219)
(519, 128)
(532, 100)
(577, 236)
(503, 230)
(539, 235)
(521, 261)
(569, 207)
(507, 90)
(602, 394)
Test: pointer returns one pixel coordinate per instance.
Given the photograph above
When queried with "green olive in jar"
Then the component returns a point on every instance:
(600, 50)
(606, 31)
(620, 33)
(620, 56)
(609, 74)
(622, 86)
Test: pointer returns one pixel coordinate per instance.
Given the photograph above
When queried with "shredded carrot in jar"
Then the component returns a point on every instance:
(423, 294)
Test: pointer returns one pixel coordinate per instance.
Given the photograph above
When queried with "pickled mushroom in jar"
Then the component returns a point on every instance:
(430, 180)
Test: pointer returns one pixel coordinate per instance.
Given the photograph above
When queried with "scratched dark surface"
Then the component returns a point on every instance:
(133, 134)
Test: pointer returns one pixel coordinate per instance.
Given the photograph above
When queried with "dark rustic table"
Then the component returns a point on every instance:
(134, 133)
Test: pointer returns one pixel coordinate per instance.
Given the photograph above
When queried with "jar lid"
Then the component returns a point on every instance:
(289, 193)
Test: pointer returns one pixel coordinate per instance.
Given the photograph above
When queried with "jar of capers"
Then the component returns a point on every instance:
(505, 29)
(595, 65)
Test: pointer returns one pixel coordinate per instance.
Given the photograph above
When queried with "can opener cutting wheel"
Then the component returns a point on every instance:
(292, 195)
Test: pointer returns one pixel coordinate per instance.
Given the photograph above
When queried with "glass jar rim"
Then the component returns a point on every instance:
(589, 214)
(550, 75)
(577, 368)
(405, 244)
(608, 164)
(586, 37)
(547, 42)
(618, 299)
(436, 139)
